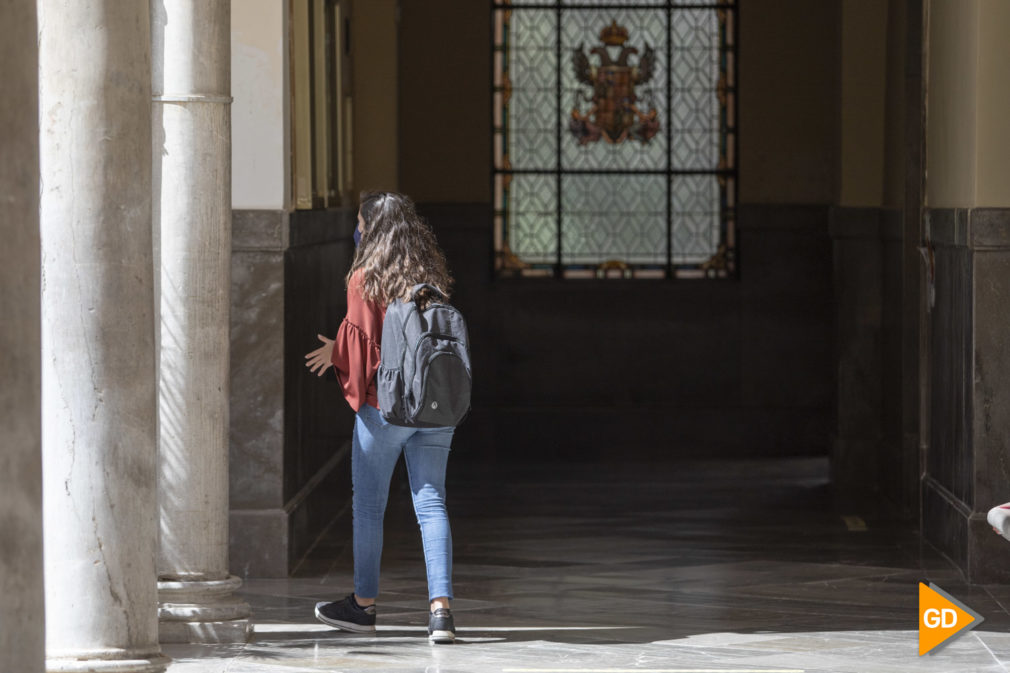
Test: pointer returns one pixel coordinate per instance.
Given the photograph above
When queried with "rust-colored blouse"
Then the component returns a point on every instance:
(356, 348)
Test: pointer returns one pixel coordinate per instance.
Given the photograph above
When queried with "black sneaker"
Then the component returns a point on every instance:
(440, 626)
(347, 616)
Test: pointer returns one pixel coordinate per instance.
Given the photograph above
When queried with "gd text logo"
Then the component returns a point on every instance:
(942, 618)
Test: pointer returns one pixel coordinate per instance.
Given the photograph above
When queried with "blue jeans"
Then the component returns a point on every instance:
(375, 448)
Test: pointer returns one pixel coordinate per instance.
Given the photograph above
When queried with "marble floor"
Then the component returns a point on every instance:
(739, 566)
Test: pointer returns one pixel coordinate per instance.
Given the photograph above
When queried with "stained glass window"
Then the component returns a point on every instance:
(615, 138)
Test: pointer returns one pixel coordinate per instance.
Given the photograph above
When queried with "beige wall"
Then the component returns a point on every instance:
(952, 90)
(799, 100)
(260, 130)
(789, 101)
(863, 100)
(374, 48)
(445, 106)
(993, 119)
(817, 123)
(894, 111)
(967, 125)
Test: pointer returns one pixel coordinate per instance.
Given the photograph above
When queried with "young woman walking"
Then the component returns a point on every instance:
(396, 250)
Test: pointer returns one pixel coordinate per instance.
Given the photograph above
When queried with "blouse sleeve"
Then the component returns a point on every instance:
(356, 350)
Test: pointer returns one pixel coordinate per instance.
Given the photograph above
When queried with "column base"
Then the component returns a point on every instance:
(232, 631)
(202, 612)
(113, 661)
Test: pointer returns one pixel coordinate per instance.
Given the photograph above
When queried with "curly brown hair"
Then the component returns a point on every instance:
(397, 251)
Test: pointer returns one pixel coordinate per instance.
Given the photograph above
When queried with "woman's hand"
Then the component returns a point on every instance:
(322, 357)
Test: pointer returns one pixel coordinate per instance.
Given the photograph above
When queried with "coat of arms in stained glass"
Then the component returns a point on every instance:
(614, 138)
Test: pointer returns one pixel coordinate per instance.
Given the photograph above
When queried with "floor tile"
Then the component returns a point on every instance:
(741, 565)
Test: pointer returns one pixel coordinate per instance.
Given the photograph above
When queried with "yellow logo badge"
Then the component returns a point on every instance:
(942, 618)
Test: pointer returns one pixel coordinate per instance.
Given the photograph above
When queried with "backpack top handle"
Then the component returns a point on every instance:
(420, 286)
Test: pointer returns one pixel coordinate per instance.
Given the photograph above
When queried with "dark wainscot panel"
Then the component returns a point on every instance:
(589, 369)
(966, 471)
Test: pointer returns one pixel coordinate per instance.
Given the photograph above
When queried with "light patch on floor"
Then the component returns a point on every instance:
(854, 523)
(652, 670)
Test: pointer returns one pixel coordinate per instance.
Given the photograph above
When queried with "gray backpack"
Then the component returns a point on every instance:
(424, 377)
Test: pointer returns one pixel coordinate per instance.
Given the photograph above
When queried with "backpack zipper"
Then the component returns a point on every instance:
(426, 335)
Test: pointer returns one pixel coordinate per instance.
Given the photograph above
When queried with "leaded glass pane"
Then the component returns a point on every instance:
(532, 119)
(532, 215)
(695, 122)
(613, 217)
(695, 202)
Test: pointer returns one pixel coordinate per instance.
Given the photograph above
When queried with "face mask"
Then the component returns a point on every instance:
(357, 236)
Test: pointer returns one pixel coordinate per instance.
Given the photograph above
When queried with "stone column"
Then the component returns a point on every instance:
(22, 624)
(192, 151)
(98, 375)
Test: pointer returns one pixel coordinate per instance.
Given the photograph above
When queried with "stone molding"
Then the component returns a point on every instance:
(259, 230)
(278, 230)
(975, 228)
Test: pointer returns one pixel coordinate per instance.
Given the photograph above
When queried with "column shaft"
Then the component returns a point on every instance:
(21, 596)
(98, 372)
(192, 153)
